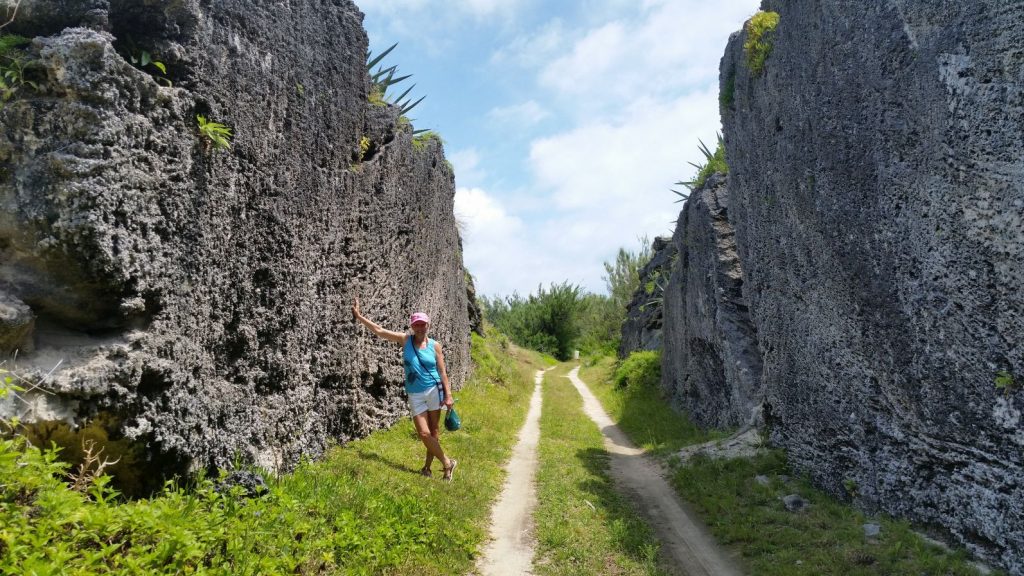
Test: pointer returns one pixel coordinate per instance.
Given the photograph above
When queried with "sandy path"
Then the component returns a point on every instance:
(510, 551)
(684, 538)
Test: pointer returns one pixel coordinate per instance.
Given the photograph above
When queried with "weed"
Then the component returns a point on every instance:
(145, 61)
(1006, 382)
(714, 164)
(91, 469)
(760, 39)
(215, 133)
(14, 67)
(364, 147)
(420, 140)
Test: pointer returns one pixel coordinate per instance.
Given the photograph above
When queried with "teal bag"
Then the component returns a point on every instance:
(452, 422)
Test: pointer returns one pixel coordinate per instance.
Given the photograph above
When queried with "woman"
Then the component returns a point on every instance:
(426, 383)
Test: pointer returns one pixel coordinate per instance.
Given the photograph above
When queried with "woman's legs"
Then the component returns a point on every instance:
(430, 439)
(433, 422)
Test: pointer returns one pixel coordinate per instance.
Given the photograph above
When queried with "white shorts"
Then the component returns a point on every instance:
(420, 402)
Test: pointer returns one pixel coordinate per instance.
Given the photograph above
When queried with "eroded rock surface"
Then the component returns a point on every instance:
(711, 365)
(642, 329)
(203, 295)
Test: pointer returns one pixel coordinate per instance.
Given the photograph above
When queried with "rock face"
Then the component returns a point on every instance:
(876, 195)
(203, 296)
(642, 328)
(711, 365)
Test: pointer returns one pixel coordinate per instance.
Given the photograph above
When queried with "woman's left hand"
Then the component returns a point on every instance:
(448, 401)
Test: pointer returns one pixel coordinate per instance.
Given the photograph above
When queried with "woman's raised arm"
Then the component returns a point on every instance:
(396, 337)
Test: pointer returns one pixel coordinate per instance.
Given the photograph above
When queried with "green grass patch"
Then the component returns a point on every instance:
(826, 538)
(583, 525)
(363, 509)
(760, 39)
(639, 407)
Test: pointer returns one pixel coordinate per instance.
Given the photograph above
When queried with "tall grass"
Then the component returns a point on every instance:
(363, 509)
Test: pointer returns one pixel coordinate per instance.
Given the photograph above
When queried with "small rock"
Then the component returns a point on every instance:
(252, 483)
(872, 530)
(762, 480)
(794, 503)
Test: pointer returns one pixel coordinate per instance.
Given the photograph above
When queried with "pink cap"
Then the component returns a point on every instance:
(419, 317)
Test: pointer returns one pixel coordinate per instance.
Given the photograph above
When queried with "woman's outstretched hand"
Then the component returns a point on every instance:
(355, 309)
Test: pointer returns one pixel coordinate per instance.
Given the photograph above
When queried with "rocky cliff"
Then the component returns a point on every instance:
(199, 297)
(711, 365)
(876, 197)
(644, 313)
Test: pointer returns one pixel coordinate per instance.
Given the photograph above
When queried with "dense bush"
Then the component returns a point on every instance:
(641, 369)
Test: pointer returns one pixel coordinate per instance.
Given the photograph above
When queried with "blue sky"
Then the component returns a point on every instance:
(567, 122)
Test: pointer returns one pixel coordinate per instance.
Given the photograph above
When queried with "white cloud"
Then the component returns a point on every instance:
(674, 45)
(521, 115)
(532, 50)
(608, 182)
(467, 167)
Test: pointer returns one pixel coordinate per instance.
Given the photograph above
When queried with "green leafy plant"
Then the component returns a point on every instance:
(364, 147)
(145, 61)
(215, 133)
(1006, 382)
(14, 67)
(384, 78)
(714, 164)
(760, 39)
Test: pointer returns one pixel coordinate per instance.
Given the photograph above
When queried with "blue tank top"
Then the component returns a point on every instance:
(420, 367)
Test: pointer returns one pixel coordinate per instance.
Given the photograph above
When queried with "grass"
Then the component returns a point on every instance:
(641, 411)
(826, 538)
(360, 510)
(583, 525)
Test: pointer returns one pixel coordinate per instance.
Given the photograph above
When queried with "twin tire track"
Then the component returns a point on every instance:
(685, 541)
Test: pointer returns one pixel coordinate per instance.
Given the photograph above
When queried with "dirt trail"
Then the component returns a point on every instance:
(683, 537)
(510, 551)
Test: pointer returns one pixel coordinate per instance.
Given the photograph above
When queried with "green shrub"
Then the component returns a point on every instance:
(641, 369)
(760, 38)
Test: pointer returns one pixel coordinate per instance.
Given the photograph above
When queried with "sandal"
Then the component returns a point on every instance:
(449, 472)
(426, 472)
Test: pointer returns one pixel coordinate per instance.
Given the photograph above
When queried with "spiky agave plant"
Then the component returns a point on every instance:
(714, 163)
(385, 78)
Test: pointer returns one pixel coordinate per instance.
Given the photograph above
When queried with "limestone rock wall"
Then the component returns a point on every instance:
(876, 193)
(711, 364)
(201, 296)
